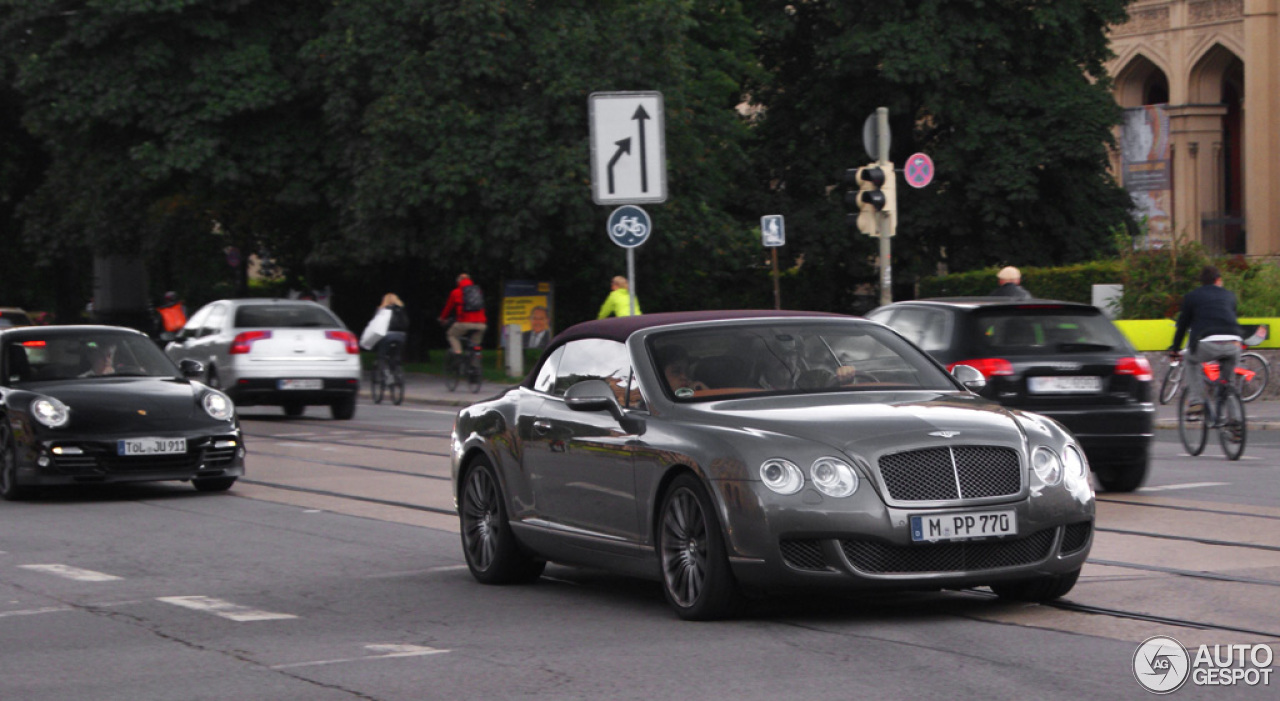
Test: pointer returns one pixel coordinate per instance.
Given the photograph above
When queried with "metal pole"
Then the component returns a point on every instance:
(777, 297)
(631, 278)
(886, 265)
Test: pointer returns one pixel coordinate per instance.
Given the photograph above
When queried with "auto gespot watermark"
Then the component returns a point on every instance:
(1162, 665)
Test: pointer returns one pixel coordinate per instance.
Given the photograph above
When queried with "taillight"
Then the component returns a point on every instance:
(245, 339)
(353, 345)
(1138, 367)
(989, 367)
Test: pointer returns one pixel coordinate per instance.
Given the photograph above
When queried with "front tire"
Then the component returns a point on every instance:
(213, 484)
(1172, 382)
(1192, 426)
(696, 578)
(1038, 590)
(490, 548)
(1256, 364)
(10, 490)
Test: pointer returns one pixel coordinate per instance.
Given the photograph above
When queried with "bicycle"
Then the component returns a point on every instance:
(387, 376)
(470, 364)
(1253, 372)
(1219, 407)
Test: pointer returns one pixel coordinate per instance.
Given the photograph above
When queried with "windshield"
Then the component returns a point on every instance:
(90, 354)
(789, 358)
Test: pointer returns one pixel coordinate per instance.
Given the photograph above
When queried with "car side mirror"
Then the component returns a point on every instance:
(969, 376)
(191, 369)
(597, 395)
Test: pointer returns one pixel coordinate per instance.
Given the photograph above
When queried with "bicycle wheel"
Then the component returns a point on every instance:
(474, 374)
(397, 387)
(1251, 389)
(1192, 427)
(1233, 428)
(1172, 383)
(452, 371)
(376, 385)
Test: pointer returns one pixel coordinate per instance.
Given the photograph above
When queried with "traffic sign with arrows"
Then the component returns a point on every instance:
(628, 148)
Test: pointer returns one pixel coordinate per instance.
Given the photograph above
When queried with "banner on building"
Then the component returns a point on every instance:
(1146, 169)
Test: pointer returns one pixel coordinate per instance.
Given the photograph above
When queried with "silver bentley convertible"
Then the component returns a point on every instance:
(736, 453)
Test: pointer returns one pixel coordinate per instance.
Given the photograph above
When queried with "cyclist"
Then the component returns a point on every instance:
(397, 329)
(464, 315)
(620, 302)
(1208, 320)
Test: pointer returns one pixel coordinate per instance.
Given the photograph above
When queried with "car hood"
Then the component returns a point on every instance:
(866, 423)
(130, 404)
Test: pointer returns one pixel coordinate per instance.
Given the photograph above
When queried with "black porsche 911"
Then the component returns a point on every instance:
(86, 404)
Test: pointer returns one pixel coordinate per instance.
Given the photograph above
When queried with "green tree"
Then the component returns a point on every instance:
(465, 139)
(1009, 98)
(171, 113)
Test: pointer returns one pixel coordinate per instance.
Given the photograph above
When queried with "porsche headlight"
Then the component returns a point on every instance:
(1047, 465)
(782, 476)
(218, 405)
(1075, 469)
(834, 477)
(51, 412)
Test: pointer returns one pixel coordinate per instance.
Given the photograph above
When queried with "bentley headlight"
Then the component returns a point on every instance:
(1075, 469)
(834, 477)
(218, 405)
(1047, 465)
(782, 476)
(51, 412)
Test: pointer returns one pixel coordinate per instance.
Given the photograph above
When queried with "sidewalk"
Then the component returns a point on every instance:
(420, 388)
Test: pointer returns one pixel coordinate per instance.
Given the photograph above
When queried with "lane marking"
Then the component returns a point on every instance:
(1186, 485)
(387, 651)
(225, 609)
(71, 573)
(33, 612)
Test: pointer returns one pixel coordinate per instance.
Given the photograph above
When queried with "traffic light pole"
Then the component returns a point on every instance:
(882, 160)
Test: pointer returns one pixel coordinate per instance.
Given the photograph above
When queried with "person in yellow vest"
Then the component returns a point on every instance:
(173, 316)
(618, 303)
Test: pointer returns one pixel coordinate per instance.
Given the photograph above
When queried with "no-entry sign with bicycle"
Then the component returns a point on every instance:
(629, 226)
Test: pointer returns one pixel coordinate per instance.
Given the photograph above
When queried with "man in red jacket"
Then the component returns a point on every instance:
(466, 308)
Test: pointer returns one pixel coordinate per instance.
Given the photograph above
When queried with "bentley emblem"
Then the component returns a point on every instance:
(142, 412)
(944, 434)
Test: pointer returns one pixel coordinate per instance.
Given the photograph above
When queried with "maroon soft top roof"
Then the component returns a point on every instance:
(618, 328)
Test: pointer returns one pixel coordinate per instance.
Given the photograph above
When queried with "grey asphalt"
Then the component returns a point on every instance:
(422, 388)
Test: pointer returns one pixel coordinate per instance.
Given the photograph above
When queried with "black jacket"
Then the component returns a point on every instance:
(1011, 289)
(1208, 310)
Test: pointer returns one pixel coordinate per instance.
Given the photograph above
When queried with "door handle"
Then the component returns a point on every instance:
(541, 427)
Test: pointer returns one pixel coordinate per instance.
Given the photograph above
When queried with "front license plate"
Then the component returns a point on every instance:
(1064, 385)
(151, 446)
(973, 524)
(301, 384)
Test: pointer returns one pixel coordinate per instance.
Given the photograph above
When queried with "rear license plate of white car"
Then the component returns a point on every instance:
(151, 446)
(301, 384)
(1064, 385)
(974, 524)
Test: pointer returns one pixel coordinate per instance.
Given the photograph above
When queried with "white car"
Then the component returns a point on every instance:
(281, 352)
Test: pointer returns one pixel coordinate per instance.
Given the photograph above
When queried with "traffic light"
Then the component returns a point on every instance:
(875, 198)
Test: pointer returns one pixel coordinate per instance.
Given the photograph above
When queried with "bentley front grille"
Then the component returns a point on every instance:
(951, 473)
(874, 557)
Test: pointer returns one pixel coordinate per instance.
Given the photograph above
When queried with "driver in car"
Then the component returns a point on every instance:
(100, 361)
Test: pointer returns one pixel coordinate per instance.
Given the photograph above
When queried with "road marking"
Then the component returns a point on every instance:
(33, 612)
(71, 573)
(388, 652)
(225, 609)
(1187, 485)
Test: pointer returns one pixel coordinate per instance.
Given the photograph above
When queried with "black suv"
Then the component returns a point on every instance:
(1061, 359)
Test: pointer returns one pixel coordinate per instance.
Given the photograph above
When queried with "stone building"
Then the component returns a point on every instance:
(1208, 72)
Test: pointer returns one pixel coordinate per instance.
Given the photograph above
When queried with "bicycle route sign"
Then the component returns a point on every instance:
(628, 147)
(629, 226)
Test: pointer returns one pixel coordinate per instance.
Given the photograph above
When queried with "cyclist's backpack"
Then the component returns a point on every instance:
(399, 319)
(472, 298)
